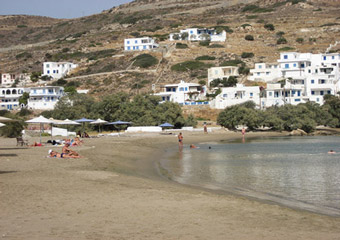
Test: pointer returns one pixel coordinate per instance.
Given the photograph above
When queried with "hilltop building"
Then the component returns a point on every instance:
(8, 79)
(139, 44)
(183, 93)
(264, 72)
(199, 34)
(9, 98)
(44, 98)
(230, 96)
(222, 72)
(308, 77)
(57, 70)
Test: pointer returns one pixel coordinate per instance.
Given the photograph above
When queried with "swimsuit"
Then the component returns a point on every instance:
(61, 155)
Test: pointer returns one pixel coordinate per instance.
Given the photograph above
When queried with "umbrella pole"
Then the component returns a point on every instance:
(40, 131)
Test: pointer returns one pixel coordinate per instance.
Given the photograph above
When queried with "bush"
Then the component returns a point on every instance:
(235, 63)
(247, 55)
(299, 40)
(189, 65)
(23, 55)
(280, 34)
(144, 61)
(204, 43)
(285, 49)
(205, 57)
(269, 27)
(243, 70)
(215, 46)
(135, 34)
(245, 25)
(249, 38)
(181, 45)
(281, 40)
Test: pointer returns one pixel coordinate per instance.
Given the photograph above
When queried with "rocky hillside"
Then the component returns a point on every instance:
(96, 42)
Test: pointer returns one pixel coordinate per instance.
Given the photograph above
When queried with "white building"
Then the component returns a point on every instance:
(9, 98)
(236, 95)
(222, 72)
(8, 79)
(58, 70)
(199, 34)
(139, 44)
(44, 98)
(183, 93)
(264, 72)
(308, 77)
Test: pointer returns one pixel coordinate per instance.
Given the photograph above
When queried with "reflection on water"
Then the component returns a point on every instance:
(295, 171)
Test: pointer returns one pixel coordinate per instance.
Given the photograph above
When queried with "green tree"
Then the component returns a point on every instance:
(269, 27)
(24, 98)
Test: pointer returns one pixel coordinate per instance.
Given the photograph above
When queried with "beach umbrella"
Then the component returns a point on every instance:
(66, 122)
(4, 119)
(1, 125)
(164, 125)
(119, 123)
(83, 121)
(99, 122)
(41, 120)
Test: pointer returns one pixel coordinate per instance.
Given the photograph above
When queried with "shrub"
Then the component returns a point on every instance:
(21, 26)
(202, 82)
(251, 16)
(281, 40)
(280, 34)
(204, 43)
(285, 49)
(269, 27)
(205, 57)
(188, 65)
(232, 63)
(215, 46)
(23, 55)
(245, 25)
(145, 61)
(181, 45)
(135, 34)
(243, 70)
(249, 38)
(247, 55)
(299, 40)
(312, 39)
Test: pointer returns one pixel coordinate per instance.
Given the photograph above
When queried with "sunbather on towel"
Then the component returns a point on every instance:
(60, 155)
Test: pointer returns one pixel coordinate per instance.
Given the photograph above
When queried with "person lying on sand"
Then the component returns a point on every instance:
(35, 144)
(68, 151)
(55, 154)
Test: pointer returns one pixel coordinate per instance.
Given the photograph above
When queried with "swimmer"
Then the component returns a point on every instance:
(331, 151)
(193, 146)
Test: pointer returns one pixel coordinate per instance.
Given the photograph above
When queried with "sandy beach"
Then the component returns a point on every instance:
(116, 192)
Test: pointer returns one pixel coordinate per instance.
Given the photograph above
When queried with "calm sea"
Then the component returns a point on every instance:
(292, 171)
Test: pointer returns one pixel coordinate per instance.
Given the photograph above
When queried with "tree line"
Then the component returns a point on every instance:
(305, 116)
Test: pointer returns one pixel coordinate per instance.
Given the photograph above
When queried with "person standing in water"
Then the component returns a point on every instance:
(180, 140)
(205, 128)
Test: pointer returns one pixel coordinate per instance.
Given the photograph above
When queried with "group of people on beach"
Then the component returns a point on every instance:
(66, 152)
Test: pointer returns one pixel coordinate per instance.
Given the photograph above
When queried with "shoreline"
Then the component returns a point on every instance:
(115, 192)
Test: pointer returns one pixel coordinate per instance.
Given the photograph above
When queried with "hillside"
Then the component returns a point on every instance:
(96, 42)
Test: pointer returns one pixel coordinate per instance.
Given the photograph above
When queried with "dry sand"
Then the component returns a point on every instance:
(115, 192)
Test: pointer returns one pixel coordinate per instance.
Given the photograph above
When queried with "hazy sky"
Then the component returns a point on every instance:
(57, 8)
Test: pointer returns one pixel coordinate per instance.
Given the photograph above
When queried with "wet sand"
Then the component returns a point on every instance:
(116, 192)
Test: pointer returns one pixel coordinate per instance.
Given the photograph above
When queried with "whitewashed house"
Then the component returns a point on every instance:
(199, 34)
(9, 98)
(184, 93)
(236, 95)
(222, 72)
(8, 79)
(44, 98)
(57, 70)
(139, 44)
(264, 72)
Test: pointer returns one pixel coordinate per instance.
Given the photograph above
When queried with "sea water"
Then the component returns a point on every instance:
(294, 171)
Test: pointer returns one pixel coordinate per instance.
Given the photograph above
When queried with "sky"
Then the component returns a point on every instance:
(57, 8)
